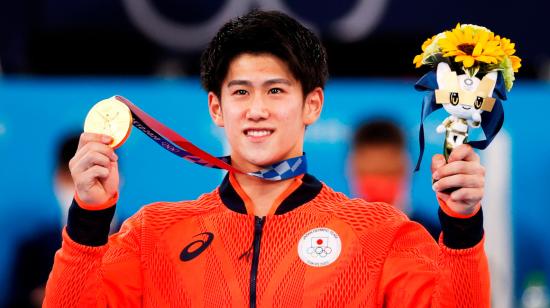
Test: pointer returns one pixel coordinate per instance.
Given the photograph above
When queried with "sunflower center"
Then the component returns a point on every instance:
(467, 48)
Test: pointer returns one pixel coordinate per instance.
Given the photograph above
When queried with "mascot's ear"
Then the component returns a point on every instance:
(488, 83)
(442, 72)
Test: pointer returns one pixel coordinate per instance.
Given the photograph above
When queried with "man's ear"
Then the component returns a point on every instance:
(215, 109)
(313, 105)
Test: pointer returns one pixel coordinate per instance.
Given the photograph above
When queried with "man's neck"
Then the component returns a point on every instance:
(263, 193)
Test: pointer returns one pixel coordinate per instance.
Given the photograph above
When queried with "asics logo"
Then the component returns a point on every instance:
(195, 248)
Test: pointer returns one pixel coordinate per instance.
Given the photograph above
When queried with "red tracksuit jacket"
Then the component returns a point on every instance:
(317, 248)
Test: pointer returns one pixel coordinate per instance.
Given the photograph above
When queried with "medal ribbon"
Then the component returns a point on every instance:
(177, 145)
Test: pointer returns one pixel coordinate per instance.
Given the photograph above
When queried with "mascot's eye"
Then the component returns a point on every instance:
(453, 98)
(479, 102)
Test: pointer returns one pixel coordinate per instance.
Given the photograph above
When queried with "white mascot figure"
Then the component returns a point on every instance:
(464, 97)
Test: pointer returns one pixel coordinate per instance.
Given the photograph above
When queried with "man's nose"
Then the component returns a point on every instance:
(258, 109)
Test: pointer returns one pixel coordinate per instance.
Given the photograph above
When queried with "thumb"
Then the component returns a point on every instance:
(112, 182)
(438, 161)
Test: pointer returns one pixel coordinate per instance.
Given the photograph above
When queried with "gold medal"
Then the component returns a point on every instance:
(110, 117)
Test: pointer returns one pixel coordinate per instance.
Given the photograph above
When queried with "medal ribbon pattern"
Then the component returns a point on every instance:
(177, 145)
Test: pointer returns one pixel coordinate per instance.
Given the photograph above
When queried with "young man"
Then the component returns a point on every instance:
(253, 242)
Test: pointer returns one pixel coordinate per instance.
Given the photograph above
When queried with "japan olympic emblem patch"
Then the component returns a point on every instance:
(319, 247)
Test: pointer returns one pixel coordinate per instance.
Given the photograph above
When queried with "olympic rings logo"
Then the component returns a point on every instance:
(356, 24)
(319, 247)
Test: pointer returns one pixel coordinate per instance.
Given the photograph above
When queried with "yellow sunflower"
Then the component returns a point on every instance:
(418, 59)
(509, 49)
(470, 44)
(507, 46)
(477, 48)
(516, 63)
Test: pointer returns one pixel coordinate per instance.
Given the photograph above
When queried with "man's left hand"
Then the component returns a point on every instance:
(465, 174)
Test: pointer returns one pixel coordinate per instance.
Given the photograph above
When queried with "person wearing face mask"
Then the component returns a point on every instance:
(379, 169)
(34, 256)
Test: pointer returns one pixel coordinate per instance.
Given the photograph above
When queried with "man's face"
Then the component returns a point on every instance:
(263, 111)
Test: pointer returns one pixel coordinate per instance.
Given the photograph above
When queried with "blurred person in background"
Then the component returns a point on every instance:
(379, 169)
(34, 256)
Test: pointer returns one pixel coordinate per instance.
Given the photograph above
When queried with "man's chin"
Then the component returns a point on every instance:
(261, 160)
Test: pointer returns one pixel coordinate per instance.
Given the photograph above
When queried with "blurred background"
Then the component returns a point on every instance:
(59, 57)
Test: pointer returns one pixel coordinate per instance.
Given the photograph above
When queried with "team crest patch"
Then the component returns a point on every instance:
(319, 247)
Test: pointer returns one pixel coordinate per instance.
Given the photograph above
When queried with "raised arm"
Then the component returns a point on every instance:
(454, 273)
(91, 270)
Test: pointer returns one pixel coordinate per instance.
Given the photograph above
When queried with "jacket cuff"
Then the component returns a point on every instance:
(95, 207)
(461, 233)
(87, 227)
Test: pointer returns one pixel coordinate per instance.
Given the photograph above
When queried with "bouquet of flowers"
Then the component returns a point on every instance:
(472, 70)
(472, 49)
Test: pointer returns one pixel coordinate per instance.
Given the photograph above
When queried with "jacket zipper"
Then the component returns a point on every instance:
(258, 229)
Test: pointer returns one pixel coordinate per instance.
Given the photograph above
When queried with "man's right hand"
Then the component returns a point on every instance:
(94, 170)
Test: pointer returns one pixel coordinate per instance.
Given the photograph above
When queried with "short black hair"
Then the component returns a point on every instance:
(378, 132)
(269, 32)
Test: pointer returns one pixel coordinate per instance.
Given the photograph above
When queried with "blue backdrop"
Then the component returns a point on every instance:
(36, 113)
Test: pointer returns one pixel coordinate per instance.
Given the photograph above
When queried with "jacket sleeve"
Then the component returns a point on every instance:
(420, 273)
(91, 272)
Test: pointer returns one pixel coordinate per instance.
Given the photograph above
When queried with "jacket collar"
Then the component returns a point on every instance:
(309, 188)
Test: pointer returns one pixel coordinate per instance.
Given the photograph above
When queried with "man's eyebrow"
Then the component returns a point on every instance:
(277, 80)
(239, 83)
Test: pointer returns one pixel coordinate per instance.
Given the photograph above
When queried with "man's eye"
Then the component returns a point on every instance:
(275, 91)
(240, 92)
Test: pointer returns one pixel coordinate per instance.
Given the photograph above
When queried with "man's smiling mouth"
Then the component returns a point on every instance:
(258, 132)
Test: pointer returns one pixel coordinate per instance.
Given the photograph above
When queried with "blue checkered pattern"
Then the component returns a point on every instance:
(283, 170)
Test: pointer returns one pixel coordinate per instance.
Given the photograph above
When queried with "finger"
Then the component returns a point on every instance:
(96, 172)
(92, 137)
(438, 161)
(463, 152)
(459, 167)
(460, 181)
(91, 159)
(469, 195)
(114, 167)
(90, 176)
(96, 147)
